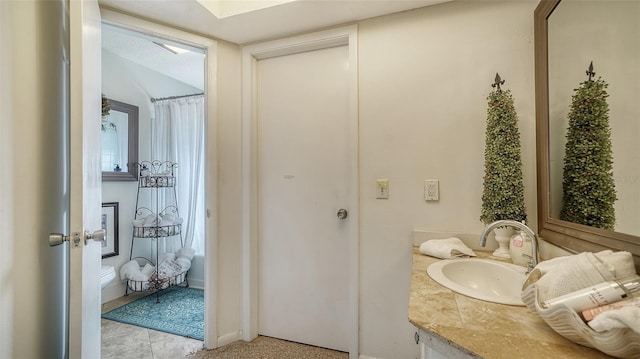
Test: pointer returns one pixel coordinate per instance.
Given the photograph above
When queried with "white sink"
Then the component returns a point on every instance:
(483, 279)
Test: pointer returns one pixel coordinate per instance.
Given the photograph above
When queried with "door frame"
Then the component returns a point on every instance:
(210, 47)
(251, 54)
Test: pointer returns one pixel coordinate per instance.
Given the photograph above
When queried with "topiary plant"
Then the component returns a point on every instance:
(503, 194)
(588, 186)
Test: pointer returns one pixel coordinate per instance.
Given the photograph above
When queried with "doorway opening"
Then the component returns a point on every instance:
(165, 80)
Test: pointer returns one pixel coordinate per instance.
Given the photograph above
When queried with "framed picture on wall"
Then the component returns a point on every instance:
(110, 225)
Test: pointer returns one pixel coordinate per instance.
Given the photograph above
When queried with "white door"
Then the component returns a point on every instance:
(303, 171)
(85, 178)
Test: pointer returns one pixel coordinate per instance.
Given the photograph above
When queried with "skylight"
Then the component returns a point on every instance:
(227, 8)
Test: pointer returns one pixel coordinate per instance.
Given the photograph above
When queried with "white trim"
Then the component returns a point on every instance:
(210, 47)
(229, 338)
(250, 55)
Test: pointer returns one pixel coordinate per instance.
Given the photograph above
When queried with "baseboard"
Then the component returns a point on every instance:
(229, 338)
(367, 357)
(113, 291)
(196, 283)
(116, 290)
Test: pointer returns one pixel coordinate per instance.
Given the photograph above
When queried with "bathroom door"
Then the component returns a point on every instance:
(304, 179)
(84, 177)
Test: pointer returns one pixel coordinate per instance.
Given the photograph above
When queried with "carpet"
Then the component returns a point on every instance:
(268, 348)
(180, 312)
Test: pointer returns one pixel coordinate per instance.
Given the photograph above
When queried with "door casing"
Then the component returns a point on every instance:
(346, 35)
(211, 154)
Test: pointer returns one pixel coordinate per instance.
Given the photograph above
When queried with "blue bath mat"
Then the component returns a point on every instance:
(180, 311)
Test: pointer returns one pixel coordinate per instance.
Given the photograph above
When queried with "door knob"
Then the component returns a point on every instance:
(97, 236)
(56, 239)
(342, 213)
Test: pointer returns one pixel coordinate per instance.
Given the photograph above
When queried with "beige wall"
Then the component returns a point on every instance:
(229, 192)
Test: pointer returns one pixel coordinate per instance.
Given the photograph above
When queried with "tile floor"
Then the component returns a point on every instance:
(124, 341)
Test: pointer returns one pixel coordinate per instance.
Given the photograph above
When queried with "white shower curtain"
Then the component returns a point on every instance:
(177, 135)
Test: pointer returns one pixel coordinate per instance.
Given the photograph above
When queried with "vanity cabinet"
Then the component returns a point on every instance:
(432, 347)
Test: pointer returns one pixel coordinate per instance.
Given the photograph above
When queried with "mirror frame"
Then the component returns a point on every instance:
(571, 236)
(132, 114)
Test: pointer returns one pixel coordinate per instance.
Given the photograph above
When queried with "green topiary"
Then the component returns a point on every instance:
(503, 194)
(588, 187)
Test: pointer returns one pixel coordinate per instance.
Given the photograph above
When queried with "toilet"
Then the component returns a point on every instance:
(107, 274)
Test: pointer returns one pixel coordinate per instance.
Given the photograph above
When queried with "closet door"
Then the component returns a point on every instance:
(304, 177)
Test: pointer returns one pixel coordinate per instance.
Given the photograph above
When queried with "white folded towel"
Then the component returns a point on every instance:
(446, 248)
(152, 220)
(627, 317)
(187, 252)
(127, 268)
(562, 275)
(131, 271)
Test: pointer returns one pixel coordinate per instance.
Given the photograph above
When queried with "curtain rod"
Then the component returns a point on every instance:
(153, 100)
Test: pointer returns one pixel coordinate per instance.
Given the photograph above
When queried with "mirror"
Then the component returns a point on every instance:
(120, 142)
(569, 34)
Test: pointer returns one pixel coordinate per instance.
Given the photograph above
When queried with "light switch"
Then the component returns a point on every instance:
(382, 189)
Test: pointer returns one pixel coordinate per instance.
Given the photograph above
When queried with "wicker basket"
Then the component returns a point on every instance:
(622, 343)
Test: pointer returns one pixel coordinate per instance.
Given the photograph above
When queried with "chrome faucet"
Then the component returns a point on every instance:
(507, 222)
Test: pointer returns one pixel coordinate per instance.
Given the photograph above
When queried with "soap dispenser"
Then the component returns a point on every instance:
(520, 244)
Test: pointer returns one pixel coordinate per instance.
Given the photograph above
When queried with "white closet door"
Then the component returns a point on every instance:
(303, 181)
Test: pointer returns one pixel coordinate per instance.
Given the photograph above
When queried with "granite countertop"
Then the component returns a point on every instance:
(463, 327)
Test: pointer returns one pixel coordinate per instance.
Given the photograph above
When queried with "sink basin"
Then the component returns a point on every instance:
(483, 279)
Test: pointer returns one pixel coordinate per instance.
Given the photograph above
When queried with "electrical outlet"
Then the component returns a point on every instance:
(431, 190)
(382, 189)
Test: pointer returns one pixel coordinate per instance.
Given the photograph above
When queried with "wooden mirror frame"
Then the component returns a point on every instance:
(571, 236)
(132, 156)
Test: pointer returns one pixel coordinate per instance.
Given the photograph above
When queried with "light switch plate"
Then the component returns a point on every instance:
(431, 190)
(382, 189)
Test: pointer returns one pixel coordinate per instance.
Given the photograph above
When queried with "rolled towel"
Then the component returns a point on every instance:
(128, 268)
(446, 248)
(627, 317)
(137, 275)
(152, 220)
(184, 262)
(168, 219)
(138, 222)
(148, 270)
(621, 262)
(169, 268)
(568, 274)
(166, 256)
(187, 252)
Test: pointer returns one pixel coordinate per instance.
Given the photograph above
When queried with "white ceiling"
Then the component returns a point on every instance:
(276, 21)
(281, 20)
(140, 49)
